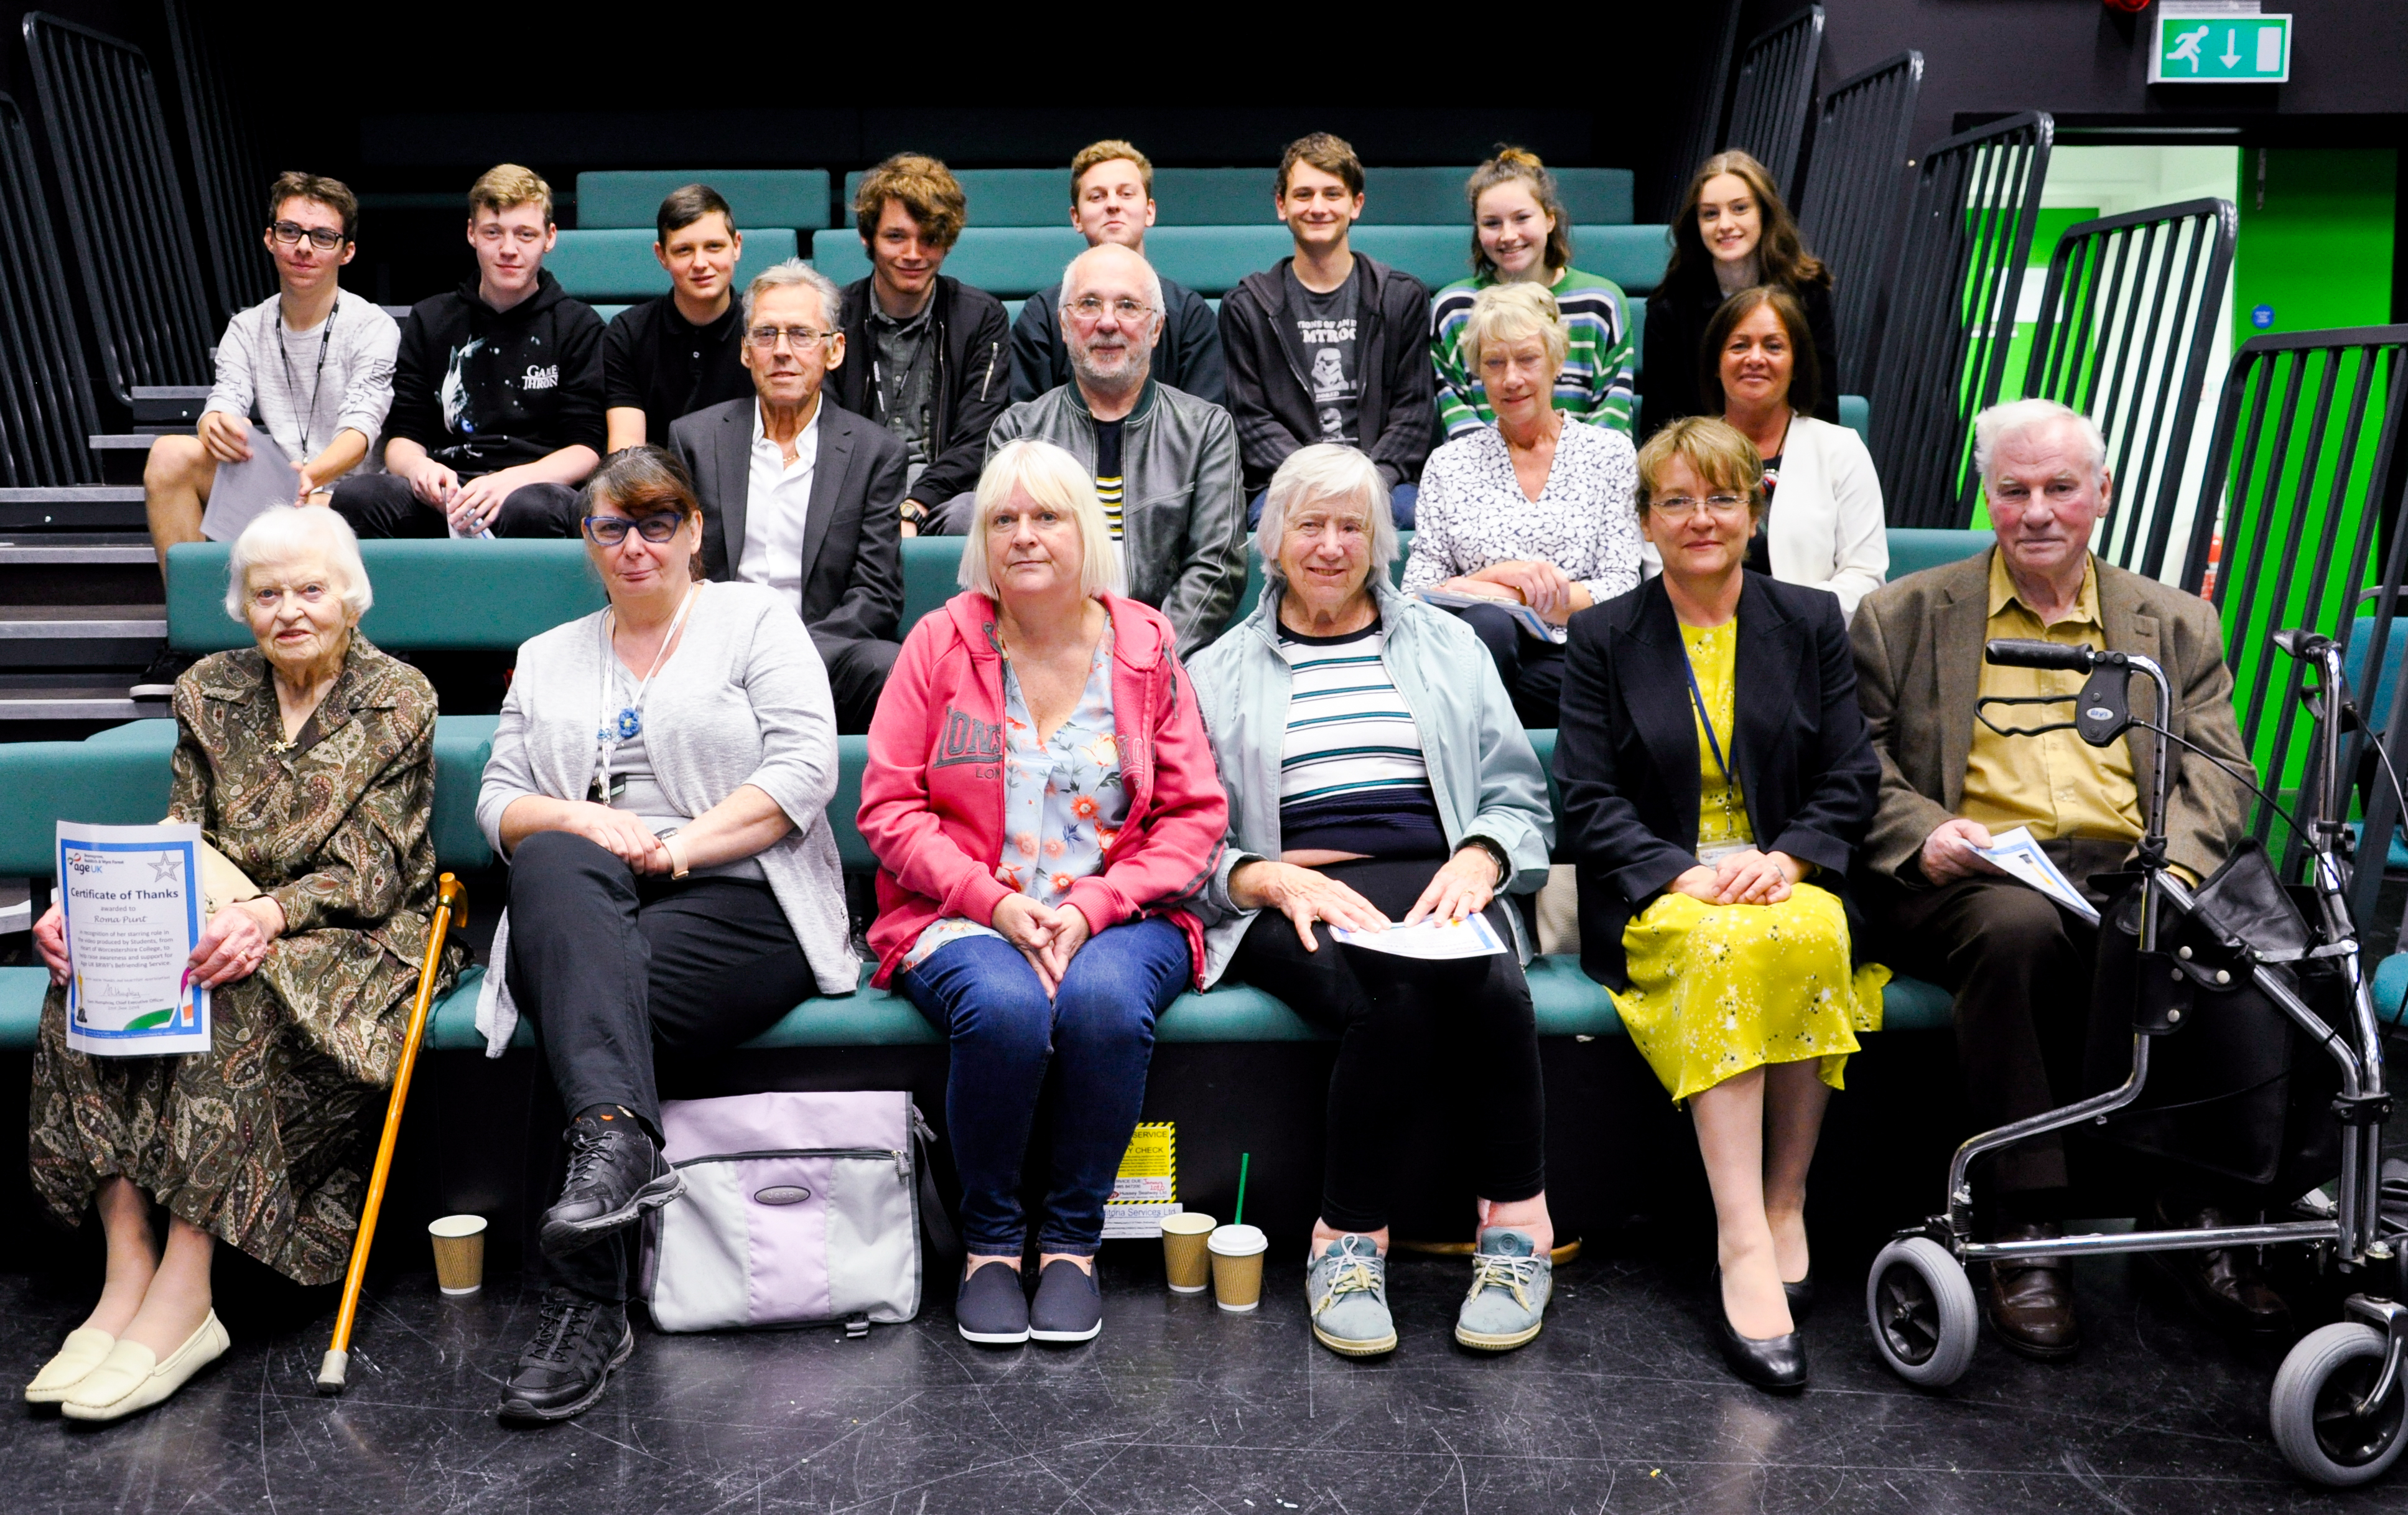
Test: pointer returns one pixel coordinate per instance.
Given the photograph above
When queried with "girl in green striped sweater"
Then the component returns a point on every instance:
(1520, 232)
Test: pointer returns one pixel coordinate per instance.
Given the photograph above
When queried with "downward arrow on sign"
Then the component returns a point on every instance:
(2231, 47)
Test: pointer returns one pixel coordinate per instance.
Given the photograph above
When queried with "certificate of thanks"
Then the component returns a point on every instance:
(133, 907)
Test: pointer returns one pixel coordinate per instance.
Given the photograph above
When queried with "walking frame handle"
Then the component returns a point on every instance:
(451, 903)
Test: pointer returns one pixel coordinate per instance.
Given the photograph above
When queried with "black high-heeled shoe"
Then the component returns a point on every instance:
(1801, 1297)
(1776, 1363)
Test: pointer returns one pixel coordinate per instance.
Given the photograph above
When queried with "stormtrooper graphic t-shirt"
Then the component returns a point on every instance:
(1325, 327)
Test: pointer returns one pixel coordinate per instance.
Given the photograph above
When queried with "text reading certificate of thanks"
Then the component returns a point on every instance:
(133, 899)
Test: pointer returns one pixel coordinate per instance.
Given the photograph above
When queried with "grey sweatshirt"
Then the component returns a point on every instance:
(352, 386)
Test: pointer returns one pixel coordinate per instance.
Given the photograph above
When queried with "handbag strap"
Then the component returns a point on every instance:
(942, 1239)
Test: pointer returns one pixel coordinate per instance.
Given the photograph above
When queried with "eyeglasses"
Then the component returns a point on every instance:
(1088, 308)
(766, 338)
(325, 238)
(611, 530)
(1681, 507)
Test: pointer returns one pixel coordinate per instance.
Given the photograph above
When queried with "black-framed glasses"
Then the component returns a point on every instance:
(611, 530)
(325, 238)
(766, 338)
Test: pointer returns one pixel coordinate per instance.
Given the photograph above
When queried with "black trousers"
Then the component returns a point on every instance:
(1395, 1017)
(613, 967)
(2021, 969)
(1533, 671)
(382, 505)
(856, 670)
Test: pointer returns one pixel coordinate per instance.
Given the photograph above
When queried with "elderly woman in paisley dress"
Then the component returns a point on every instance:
(1532, 512)
(308, 763)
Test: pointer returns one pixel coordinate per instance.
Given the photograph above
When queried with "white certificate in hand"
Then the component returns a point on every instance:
(132, 897)
(2021, 856)
(1429, 939)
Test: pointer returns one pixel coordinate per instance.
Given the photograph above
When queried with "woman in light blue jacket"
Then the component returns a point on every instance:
(1379, 781)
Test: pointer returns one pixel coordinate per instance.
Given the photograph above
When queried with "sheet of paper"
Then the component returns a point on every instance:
(1431, 940)
(2021, 856)
(1527, 619)
(133, 902)
(242, 490)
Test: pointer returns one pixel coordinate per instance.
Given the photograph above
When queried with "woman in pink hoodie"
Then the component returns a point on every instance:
(1042, 802)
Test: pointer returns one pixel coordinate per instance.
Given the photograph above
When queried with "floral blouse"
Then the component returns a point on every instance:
(1062, 801)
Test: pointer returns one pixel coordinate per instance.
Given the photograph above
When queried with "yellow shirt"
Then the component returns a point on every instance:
(1714, 658)
(2058, 785)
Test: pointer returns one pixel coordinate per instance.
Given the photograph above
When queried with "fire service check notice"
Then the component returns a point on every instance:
(133, 906)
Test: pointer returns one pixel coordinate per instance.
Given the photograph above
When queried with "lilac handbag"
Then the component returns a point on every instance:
(798, 1208)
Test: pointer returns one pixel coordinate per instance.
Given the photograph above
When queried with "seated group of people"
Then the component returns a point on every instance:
(1771, 805)
(483, 410)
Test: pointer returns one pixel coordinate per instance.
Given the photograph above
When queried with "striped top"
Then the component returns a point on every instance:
(1108, 473)
(1351, 776)
(1597, 382)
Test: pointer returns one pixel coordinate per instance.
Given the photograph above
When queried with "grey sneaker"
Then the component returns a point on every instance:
(1511, 1284)
(1346, 1288)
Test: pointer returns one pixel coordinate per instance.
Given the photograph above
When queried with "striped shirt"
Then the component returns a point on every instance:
(1597, 383)
(1107, 472)
(1351, 776)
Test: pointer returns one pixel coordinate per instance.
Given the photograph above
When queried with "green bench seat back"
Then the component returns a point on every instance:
(618, 263)
(435, 595)
(1217, 196)
(796, 199)
(1912, 549)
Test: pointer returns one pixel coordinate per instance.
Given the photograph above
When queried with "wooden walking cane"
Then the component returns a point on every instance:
(451, 898)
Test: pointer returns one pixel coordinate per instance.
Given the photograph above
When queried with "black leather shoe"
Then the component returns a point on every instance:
(1801, 1297)
(2225, 1284)
(578, 1341)
(615, 1174)
(2031, 1304)
(1777, 1364)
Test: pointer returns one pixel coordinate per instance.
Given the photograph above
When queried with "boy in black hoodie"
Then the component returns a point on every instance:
(496, 390)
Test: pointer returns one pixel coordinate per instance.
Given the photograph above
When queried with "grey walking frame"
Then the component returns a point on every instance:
(1917, 1300)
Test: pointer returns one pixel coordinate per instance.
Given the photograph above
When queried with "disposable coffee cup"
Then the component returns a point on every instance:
(1237, 1267)
(459, 1253)
(1185, 1257)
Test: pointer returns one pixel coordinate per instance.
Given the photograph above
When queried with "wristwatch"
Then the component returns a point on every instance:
(1495, 854)
(915, 515)
(677, 859)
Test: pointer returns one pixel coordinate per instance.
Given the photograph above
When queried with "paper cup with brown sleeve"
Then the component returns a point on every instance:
(459, 1253)
(1186, 1260)
(1237, 1267)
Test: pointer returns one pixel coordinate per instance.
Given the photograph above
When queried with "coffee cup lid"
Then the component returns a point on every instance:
(1238, 1241)
(456, 1225)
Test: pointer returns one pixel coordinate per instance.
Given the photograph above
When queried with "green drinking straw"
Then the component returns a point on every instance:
(1244, 1160)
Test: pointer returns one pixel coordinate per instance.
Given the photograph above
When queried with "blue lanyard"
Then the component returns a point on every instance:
(1697, 698)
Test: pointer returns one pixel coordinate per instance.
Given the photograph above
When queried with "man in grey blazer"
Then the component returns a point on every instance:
(800, 494)
(2019, 965)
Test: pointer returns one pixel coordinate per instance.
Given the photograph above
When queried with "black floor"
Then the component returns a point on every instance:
(1618, 1406)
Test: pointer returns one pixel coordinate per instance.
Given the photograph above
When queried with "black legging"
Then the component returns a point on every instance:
(1533, 671)
(1391, 1015)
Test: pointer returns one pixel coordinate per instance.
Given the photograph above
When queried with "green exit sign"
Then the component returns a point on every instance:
(2221, 50)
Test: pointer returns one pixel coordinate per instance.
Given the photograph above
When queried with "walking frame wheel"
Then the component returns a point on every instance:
(2321, 1420)
(1921, 1309)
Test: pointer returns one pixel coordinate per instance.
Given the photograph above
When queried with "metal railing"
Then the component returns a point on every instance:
(2299, 513)
(226, 170)
(2125, 335)
(46, 400)
(1848, 211)
(1775, 94)
(125, 210)
(1709, 92)
(1951, 314)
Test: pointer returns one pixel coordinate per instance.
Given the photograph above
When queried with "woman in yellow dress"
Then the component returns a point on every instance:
(1714, 762)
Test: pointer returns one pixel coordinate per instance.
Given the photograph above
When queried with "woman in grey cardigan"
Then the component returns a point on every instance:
(1376, 773)
(659, 784)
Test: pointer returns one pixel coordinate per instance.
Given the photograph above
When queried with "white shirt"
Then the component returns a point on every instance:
(776, 502)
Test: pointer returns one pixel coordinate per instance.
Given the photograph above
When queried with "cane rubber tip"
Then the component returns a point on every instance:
(332, 1372)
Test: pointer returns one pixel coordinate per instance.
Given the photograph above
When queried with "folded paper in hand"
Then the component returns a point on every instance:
(1530, 621)
(1431, 939)
(2021, 856)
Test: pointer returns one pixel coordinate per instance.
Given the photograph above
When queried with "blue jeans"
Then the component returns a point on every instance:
(984, 995)
(1402, 501)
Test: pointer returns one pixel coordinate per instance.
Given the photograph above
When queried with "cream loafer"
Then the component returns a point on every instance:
(82, 1352)
(132, 1379)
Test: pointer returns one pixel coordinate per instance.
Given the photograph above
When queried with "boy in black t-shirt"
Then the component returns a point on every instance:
(682, 352)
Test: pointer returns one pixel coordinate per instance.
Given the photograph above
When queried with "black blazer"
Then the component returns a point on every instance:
(852, 557)
(1670, 379)
(1627, 752)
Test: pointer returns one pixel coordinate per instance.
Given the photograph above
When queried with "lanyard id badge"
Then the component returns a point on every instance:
(627, 722)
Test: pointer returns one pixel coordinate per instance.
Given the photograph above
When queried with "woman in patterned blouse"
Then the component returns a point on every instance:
(1524, 523)
(308, 763)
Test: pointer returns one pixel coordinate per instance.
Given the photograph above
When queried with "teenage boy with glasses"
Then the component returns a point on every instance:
(312, 367)
(800, 494)
(498, 390)
(684, 351)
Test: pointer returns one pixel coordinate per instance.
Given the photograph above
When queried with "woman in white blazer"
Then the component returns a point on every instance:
(1822, 523)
